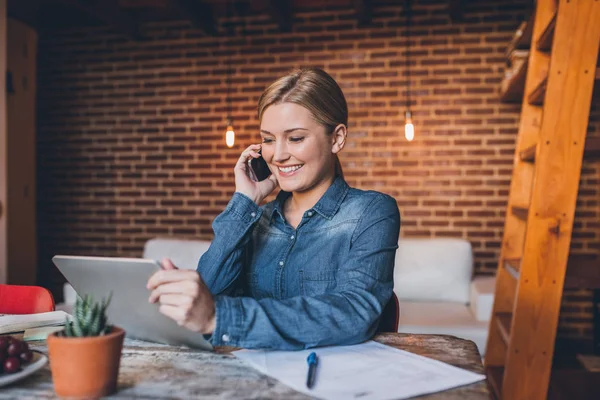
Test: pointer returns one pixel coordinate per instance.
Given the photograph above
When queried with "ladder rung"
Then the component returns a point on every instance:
(495, 376)
(528, 155)
(504, 320)
(582, 272)
(536, 97)
(513, 90)
(522, 37)
(544, 42)
(513, 266)
(520, 212)
(591, 150)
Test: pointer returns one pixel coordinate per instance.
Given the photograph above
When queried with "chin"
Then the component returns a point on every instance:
(289, 185)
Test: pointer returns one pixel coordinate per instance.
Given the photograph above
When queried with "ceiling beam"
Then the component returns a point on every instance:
(109, 13)
(143, 3)
(200, 14)
(281, 11)
(455, 10)
(364, 11)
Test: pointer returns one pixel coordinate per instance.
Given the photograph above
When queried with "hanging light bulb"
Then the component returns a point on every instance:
(409, 128)
(230, 134)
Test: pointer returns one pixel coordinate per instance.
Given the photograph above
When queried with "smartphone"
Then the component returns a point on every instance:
(259, 168)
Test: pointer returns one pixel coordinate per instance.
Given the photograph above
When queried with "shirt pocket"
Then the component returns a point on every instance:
(314, 283)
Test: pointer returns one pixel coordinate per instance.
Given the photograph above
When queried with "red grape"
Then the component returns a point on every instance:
(14, 349)
(26, 356)
(11, 365)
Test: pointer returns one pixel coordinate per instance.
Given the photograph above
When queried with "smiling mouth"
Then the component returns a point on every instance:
(288, 170)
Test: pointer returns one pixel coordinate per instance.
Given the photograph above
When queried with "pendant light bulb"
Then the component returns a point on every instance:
(229, 135)
(409, 128)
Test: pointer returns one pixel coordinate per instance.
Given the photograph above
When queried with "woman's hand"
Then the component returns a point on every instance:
(183, 297)
(256, 191)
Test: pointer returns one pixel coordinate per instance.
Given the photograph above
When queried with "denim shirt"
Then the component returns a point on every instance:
(324, 283)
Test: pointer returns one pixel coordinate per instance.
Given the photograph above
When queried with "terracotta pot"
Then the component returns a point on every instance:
(87, 367)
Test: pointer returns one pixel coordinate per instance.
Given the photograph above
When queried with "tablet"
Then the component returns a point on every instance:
(129, 309)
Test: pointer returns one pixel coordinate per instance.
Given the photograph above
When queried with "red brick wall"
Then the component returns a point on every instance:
(131, 134)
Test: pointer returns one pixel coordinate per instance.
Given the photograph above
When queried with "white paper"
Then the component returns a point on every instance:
(367, 371)
(19, 323)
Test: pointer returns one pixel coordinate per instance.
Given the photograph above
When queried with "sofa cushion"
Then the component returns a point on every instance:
(185, 254)
(433, 270)
(442, 318)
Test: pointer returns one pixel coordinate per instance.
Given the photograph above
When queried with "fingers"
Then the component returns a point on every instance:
(251, 151)
(168, 264)
(177, 300)
(175, 313)
(171, 275)
(268, 185)
(273, 179)
(188, 288)
(195, 312)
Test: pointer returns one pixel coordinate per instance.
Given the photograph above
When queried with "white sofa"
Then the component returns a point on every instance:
(436, 292)
(432, 280)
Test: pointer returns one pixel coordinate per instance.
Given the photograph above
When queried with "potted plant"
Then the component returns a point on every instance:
(85, 356)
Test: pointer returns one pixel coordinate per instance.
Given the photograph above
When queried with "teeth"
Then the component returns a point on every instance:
(290, 169)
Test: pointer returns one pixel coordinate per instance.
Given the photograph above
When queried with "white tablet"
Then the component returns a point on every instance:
(126, 278)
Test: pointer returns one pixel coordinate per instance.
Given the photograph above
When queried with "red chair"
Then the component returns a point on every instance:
(18, 299)
(390, 317)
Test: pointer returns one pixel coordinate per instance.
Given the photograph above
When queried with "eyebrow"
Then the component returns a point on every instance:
(286, 131)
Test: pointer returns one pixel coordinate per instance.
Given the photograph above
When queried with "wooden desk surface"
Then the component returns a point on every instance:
(154, 371)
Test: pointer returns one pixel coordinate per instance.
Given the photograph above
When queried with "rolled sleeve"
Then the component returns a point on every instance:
(228, 330)
(222, 263)
(241, 206)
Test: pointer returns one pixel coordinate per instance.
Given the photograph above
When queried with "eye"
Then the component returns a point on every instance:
(296, 139)
(267, 140)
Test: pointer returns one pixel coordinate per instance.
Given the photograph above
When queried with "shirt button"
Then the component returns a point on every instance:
(225, 338)
(292, 237)
(253, 214)
(281, 263)
(310, 213)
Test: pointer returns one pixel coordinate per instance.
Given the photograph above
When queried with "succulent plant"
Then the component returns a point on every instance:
(89, 318)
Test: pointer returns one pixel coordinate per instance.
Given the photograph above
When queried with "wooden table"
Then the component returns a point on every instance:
(154, 371)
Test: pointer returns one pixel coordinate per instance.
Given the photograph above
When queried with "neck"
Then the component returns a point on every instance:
(302, 201)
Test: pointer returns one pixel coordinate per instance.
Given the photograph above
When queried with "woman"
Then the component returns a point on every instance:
(312, 268)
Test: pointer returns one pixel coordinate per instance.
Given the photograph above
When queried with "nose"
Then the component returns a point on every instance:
(280, 153)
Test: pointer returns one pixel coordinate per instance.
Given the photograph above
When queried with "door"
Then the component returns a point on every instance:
(21, 240)
(3, 155)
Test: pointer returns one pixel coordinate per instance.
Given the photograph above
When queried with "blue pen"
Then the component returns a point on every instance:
(313, 361)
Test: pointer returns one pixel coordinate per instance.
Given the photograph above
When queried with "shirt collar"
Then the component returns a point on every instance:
(328, 205)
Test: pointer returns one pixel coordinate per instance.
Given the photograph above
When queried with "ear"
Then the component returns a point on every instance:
(338, 138)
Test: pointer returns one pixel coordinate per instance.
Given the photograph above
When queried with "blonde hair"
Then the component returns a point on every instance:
(315, 90)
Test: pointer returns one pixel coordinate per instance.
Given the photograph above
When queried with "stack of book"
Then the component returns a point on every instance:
(34, 326)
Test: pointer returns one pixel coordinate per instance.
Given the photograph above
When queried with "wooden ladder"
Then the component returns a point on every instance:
(560, 74)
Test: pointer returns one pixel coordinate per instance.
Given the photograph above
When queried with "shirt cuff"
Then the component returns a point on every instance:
(243, 207)
(228, 326)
